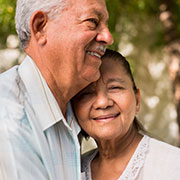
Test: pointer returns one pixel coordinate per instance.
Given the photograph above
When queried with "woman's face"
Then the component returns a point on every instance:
(106, 108)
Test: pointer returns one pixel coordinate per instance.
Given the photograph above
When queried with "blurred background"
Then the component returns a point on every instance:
(147, 33)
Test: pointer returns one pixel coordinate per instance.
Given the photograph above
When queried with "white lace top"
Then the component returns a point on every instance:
(152, 160)
(133, 168)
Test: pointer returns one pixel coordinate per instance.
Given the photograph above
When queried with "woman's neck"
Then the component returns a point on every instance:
(119, 147)
(114, 155)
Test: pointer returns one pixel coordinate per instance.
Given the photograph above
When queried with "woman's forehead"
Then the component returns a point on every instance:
(110, 63)
(111, 69)
(109, 76)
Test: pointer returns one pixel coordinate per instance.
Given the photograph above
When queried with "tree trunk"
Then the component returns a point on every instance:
(172, 48)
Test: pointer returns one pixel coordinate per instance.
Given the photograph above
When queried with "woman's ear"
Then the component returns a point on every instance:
(138, 100)
(38, 26)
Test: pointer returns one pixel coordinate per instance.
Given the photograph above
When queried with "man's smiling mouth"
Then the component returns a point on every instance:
(94, 54)
(97, 52)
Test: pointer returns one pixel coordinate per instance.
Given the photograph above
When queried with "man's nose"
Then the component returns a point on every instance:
(105, 36)
(102, 101)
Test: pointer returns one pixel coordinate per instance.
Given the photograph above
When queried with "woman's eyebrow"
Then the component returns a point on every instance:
(116, 80)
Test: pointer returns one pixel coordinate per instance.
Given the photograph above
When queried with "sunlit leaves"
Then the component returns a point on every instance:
(7, 11)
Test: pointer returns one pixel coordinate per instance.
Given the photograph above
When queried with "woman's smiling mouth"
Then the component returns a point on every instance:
(105, 118)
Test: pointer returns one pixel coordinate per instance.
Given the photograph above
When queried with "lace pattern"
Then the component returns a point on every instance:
(134, 166)
(137, 161)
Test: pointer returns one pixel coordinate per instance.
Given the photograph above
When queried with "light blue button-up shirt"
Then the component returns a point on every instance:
(36, 142)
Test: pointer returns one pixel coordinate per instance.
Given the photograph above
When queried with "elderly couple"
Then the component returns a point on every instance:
(65, 43)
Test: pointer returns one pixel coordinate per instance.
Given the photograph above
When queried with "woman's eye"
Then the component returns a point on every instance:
(86, 93)
(116, 88)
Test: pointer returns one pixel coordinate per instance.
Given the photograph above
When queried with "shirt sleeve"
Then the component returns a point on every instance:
(19, 155)
(7, 164)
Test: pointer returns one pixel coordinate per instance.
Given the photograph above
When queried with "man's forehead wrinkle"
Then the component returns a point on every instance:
(103, 15)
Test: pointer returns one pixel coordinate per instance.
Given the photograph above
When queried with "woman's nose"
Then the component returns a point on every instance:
(102, 101)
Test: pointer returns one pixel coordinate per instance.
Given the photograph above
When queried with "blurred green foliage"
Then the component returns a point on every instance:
(123, 13)
(7, 12)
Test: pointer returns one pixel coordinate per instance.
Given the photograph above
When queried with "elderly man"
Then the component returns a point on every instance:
(64, 41)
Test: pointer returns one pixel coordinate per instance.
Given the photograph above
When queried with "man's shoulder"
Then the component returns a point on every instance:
(10, 95)
(9, 81)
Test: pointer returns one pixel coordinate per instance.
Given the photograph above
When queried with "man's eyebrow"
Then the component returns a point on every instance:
(101, 15)
(116, 80)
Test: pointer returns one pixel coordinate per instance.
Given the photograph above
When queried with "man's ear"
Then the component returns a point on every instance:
(138, 100)
(38, 23)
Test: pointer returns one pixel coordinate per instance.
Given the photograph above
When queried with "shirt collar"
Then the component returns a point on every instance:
(43, 102)
(71, 119)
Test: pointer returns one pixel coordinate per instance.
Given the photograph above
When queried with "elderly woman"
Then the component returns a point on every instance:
(106, 110)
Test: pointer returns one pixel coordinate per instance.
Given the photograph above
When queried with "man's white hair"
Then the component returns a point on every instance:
(24, 11)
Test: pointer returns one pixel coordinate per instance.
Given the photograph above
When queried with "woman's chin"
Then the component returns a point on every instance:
(106, 136)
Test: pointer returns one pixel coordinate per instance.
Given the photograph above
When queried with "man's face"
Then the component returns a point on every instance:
(77, 40)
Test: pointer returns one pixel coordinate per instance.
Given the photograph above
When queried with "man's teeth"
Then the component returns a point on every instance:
(94, 54)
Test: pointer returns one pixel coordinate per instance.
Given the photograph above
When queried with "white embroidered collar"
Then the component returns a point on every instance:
(134, 166)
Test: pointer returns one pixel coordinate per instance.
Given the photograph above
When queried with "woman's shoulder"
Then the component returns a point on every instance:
(165, 160)
(162, 148)
(86, 158)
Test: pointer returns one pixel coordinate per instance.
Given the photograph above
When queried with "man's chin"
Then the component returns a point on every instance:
(91, 77)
